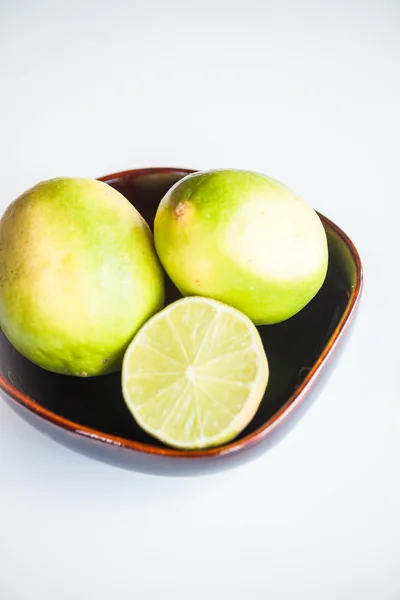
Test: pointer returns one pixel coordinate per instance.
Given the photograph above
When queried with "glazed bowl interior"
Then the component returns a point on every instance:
(295, 348)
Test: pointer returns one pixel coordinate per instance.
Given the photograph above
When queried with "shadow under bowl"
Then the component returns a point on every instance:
(90, 416)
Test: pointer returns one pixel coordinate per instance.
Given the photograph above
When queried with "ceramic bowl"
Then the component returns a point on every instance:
(89, 415)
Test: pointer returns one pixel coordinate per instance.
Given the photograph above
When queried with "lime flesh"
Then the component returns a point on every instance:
(195, 374)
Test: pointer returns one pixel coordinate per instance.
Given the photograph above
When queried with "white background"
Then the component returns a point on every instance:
(309, 93)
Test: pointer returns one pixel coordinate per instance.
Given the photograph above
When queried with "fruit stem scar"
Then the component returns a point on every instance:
(179, 209)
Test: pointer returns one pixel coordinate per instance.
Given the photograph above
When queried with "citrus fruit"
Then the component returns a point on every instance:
(78, 275)
(195, 373)
(242, 238)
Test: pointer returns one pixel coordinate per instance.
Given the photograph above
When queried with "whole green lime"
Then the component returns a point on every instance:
(244, 239)
(78, 275)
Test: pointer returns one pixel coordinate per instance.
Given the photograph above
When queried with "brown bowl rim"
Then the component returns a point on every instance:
(249, 440)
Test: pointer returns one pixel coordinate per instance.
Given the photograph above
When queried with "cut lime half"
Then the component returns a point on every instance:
(195, 374)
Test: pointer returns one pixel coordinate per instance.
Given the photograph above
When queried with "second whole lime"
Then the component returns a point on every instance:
(244, 239)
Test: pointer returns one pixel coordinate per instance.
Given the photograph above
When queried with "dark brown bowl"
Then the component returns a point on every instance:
(90, 416)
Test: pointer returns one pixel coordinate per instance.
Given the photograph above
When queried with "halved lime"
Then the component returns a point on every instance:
(195, 373)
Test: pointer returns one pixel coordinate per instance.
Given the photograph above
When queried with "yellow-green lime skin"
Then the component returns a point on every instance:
(79, 275)
(195, 374)
(242, 238)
